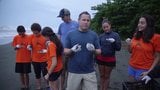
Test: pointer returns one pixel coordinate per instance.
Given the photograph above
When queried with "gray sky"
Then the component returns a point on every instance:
(45, 12)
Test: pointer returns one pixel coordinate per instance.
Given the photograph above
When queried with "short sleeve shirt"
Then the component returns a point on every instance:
(142, 55)
(52, 53)
(22, 55)
(82, 61)
(64, 28)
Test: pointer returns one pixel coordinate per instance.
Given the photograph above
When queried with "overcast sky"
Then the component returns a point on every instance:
(45, 12)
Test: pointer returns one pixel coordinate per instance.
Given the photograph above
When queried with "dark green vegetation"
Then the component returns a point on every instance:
(124, 13)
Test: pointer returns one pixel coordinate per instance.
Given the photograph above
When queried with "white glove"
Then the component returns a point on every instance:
(146, 78)
(76, 48)
(29, 47)
(47, 43)
(46, 76)
(90, 47)
(18, 46)
(128, 41)
(110, 40)
(43, 51)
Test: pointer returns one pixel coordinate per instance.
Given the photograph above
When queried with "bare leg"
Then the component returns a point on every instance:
(38, 83)
(53, 85)
(22, 80)
(101, 71)
(26, 80)
(107, 74)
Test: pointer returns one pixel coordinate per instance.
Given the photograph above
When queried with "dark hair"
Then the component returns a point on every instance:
(85, 12)
(47, 31)
(21, 29)
(35, 27)
(106, 21)
(149, 31)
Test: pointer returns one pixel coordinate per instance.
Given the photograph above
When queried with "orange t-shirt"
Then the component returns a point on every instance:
(52, 53)
(22, 54)
(142, 55)
(38, 43)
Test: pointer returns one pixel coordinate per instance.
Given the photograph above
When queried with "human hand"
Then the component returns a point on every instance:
(90, 47)
(29, 47)
(128, 41)
(43, 51)
(17, 47)
(76, 48)
(110, 40)
(46, 76)
(47, 43)
(146, 78)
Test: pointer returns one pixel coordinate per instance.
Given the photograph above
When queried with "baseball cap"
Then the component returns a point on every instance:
(63, 12)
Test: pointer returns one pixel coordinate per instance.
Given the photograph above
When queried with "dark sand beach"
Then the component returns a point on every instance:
(9, 79)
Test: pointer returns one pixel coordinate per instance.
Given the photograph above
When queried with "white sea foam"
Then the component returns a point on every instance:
(6, 36)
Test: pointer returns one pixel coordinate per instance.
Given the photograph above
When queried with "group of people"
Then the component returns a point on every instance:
(72, 54)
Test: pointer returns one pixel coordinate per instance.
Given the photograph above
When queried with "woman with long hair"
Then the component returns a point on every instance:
(144, 48)
(54, 57)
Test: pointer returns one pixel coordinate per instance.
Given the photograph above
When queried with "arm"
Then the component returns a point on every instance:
(68, 51)
(118, 43)
(155, 72)
(128, 41)
(53, 65)
(156, 60)
(97, 51)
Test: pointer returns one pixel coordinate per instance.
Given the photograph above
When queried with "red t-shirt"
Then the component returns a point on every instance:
(142, 55)
(52, 53)
(22, 54)
(38, 43)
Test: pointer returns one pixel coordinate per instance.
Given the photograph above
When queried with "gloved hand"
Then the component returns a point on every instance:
(29, 47)
(128, 41)
(18, 46)
(76, 48)
(47, 43)
(90, 47)
(43, 51)
(110, 40)
(146, 78)
(46, 76)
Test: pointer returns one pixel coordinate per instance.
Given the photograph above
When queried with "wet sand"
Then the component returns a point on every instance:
(9, 80)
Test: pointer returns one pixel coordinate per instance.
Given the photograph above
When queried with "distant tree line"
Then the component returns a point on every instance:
(124, 13)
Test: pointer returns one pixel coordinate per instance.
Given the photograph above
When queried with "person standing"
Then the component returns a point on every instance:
(110, 42)
(81, 45)
(144, 48)
(65, 27)
(39, 56)
(23, 56)
(54, 57)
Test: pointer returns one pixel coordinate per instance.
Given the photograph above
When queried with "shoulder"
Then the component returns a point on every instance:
(16, 36)
(155, 38)
(115, 33)
(75, 22)
(51, 44)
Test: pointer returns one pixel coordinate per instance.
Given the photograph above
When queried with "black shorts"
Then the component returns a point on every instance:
(39, 67)
(109, 64)
(23, 68)
(54, 75)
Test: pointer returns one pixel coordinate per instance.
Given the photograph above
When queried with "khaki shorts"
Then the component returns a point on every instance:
(85, 81)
